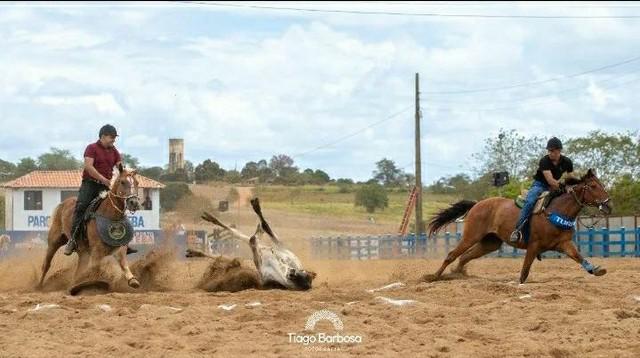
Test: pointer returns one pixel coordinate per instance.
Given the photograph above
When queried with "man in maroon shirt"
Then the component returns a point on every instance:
(99, 159)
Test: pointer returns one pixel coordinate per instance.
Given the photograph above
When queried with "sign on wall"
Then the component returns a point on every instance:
(44, 221)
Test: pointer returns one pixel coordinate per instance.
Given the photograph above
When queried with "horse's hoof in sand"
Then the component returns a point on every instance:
(599, 271)
(133, 282)
(99, 286)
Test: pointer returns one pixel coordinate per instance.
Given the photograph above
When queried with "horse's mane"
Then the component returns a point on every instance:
(582, 179)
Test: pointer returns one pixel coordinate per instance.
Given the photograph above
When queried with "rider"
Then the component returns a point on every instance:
(550, 170)
(99, 159)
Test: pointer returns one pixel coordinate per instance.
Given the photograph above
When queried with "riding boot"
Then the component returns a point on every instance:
(72, 244)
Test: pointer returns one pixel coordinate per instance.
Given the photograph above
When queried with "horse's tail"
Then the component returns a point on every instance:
(445, 216)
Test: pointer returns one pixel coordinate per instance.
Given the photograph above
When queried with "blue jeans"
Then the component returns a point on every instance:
(536, 189)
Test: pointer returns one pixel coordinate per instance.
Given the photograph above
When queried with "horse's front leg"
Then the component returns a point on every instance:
(121, 256)
(570, 249)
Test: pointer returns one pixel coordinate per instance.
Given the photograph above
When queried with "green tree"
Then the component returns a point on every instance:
(345, 185)
(7, 170)
(130, 161)
(510, 152)
(249, 171)
(232, 176)
(189, 170)
(372, 197)
(283, 170)
(453, 184)
(152, 172)
(26, 165)
(625, 196)
(208, 170)
(321, 177)
(611, 155)
(387, 173)
(58, 159)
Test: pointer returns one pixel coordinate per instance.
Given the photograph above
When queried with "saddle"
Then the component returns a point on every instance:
(541, 203)
(112, 232)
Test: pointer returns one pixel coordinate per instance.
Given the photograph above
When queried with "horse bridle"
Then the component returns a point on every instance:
(124, 198)
(596, 204)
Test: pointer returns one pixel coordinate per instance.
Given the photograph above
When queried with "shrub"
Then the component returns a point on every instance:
(372, 197)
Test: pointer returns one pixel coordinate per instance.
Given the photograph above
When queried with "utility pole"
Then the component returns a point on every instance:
(418, 163)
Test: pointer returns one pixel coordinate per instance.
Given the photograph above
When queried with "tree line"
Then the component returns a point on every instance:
(615, 156)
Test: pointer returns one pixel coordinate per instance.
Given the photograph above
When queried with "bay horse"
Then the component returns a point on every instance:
(91, 250)
(489, 223)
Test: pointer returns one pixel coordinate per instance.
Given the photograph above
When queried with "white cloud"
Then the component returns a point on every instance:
(103, 103)
(57, 38)
(599, 96)
(142, 140)
(260, 83)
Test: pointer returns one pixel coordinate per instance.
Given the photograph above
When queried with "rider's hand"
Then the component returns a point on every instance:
(105, 181)
(555, 185)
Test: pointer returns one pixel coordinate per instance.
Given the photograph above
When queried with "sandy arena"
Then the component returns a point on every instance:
(561, 312)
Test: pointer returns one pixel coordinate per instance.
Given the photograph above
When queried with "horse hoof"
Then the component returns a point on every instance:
(599, 271)
(133, 282)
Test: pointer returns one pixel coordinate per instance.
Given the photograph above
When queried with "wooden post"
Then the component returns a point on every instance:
(418, 164)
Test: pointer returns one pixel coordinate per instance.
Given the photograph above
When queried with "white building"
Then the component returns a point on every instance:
(31, 199)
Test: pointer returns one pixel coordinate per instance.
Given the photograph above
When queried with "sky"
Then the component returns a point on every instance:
(334, 90)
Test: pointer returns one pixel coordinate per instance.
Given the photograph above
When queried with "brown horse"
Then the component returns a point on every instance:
(91, 250)
(489, 223)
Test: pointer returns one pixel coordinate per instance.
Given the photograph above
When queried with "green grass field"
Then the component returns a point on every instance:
(328, 201)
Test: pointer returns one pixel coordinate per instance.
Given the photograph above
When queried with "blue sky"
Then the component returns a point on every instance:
(242, 84)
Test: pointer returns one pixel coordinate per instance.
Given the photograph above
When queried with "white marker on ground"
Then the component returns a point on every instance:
(396, 302)
(387, 287)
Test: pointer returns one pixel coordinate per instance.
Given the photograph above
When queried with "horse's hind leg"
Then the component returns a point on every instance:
(464, 245)
(52, 248)
(488, 244)
(257, 260)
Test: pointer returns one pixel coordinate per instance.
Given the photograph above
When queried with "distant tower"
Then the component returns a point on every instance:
(176, 154)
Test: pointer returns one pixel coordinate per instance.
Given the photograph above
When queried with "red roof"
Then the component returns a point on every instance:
(65, 179)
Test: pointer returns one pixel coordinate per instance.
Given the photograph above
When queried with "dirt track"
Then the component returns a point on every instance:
(560, 312)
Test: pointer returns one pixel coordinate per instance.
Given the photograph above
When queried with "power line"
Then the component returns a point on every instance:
(526, 98)
(534, 83)
(504, 3)
(353, 134)
(416, 14)
(632, 81)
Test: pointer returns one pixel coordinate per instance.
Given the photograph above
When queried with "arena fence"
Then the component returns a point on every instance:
(603, 242)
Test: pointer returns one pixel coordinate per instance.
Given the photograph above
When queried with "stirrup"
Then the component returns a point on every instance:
(517, 234)
(70, 247)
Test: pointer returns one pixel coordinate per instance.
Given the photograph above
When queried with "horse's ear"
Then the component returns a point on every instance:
(120, 168)
(590, 173)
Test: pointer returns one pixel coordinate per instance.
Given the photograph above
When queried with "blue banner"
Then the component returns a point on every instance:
(12, 242)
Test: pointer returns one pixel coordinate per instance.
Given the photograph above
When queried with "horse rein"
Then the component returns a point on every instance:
(597, 204)
(111, 194)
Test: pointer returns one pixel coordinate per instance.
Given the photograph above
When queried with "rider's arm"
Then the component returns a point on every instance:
(550, 180)
(88, 166)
